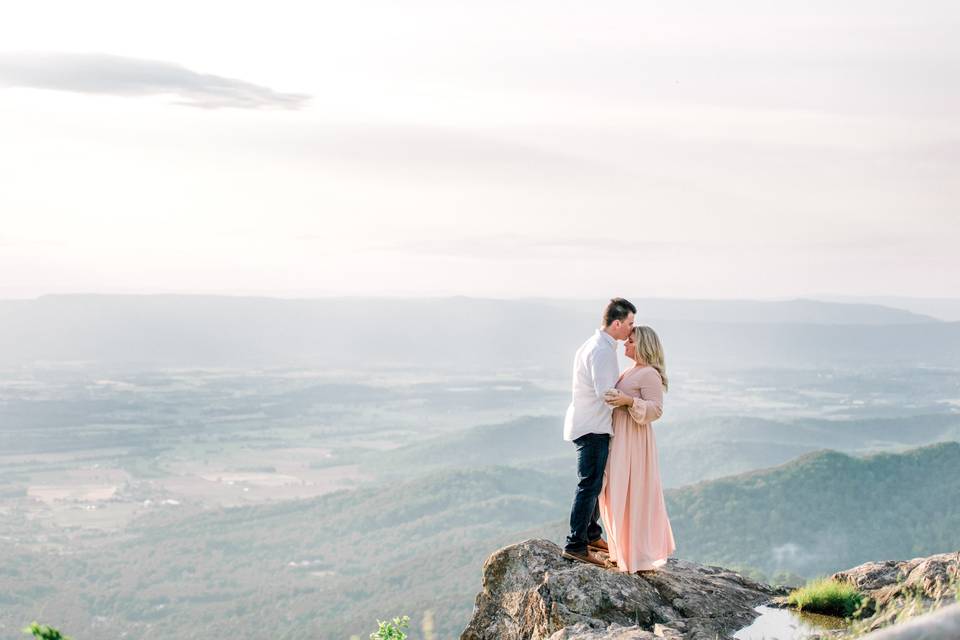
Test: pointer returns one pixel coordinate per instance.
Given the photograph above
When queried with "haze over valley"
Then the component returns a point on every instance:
(172, 465)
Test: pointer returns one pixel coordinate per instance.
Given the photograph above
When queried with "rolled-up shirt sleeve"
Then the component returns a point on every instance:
(603, 371)
(649, 405)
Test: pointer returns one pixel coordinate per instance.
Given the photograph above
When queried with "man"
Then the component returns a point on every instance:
(588, 424)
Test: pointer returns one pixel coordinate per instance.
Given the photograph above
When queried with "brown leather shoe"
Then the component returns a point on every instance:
(584, 556)
(599, 545)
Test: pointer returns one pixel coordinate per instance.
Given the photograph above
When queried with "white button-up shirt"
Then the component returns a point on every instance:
(595, 370)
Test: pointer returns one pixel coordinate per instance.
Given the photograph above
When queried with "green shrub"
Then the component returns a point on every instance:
(391, 630)
(43, 632)
(827, 596)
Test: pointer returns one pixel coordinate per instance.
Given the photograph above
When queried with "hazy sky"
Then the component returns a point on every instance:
(688, 149)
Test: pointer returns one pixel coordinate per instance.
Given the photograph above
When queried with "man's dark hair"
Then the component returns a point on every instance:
(617, 309)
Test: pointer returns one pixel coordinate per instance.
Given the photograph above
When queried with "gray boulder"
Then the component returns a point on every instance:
(943, 624)
(929, 578)
(895, 587)
(531, 593)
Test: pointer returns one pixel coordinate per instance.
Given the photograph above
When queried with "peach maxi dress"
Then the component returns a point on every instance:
(631, 501)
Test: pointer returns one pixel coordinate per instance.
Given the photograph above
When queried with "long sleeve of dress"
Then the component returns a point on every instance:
(648, 406)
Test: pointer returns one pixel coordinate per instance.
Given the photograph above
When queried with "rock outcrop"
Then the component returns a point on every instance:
(928, 578)
(912, 585)
(530, 593)
(943, 624)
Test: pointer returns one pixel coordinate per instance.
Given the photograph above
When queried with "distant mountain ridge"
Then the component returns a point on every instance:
(690, 451)
(796, 311)
(184, 331)
(947, 309)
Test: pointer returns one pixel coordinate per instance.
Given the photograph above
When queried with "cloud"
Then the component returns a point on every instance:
(106, 74)
(516, 246)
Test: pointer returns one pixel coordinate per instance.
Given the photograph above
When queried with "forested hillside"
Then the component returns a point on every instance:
(326, 567)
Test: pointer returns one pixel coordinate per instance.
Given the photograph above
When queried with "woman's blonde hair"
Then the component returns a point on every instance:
(649, 349)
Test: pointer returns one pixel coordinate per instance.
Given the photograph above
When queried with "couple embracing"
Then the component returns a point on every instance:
(609, 421)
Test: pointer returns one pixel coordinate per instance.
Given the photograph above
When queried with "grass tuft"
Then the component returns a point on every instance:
(827, 596)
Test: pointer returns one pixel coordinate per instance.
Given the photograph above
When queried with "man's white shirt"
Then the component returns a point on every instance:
(595, 370)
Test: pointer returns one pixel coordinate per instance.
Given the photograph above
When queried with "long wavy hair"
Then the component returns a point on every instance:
(649, 350)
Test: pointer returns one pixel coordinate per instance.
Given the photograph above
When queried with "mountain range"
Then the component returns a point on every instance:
(210, 331)
(327, 567)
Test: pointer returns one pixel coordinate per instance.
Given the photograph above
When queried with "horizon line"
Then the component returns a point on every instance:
(815, 297)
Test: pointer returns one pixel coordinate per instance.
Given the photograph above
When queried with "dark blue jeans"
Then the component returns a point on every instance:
(585, 514)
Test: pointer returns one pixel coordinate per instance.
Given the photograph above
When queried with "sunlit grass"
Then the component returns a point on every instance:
(827, 596)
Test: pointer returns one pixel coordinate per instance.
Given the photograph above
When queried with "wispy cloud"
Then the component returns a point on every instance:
(516, 246)
(100, 73)
(508, 246)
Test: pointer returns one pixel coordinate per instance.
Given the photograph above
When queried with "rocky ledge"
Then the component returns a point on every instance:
(929, 578)
(922, 582)
(530, 593)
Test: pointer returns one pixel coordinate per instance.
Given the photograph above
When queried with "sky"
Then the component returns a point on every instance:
(502, 149)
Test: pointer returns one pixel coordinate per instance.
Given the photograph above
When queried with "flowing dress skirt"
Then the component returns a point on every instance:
(631, 501)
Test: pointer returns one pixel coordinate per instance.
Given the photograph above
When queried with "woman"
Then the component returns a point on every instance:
(631, 501)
